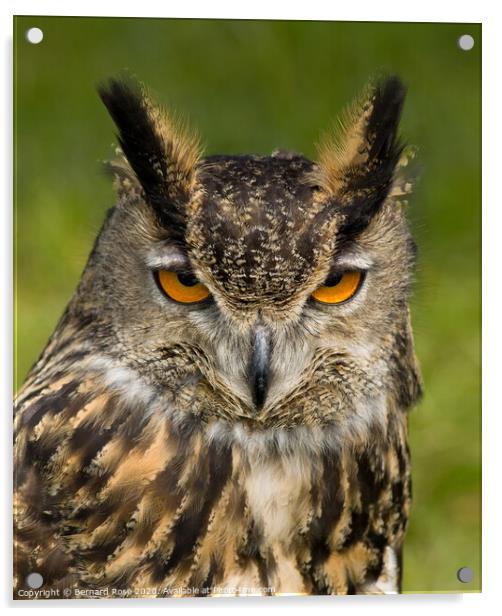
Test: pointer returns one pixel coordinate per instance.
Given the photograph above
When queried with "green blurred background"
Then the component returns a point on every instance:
(252, 86)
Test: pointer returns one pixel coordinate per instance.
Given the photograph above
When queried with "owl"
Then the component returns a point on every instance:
(222, 408)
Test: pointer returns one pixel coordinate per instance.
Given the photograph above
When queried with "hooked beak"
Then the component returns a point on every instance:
(260, 364)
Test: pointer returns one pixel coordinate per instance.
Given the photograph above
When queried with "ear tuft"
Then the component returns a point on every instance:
(356, 165)
(160, 151)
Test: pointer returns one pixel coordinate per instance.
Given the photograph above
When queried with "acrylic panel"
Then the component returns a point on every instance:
(247, 308)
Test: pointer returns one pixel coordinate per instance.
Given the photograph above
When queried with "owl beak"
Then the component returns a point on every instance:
(259, 367)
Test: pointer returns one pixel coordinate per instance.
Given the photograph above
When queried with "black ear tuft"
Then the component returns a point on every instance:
(369, 183)
(137, 136)
(356, 168)
(383, 122)
(162, 157)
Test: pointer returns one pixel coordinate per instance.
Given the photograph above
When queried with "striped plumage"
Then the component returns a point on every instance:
(144, 465)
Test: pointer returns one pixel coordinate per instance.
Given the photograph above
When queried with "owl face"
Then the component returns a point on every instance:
(269, 291)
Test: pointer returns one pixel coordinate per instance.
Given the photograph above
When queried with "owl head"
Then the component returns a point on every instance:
(264, 292)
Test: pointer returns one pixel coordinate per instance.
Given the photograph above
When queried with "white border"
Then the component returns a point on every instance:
(364, 10)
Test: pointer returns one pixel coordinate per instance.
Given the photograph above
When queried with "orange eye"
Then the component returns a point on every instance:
(183, 288)
(338, 288)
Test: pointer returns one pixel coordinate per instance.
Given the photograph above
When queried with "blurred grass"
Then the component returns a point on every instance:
(254, 86)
